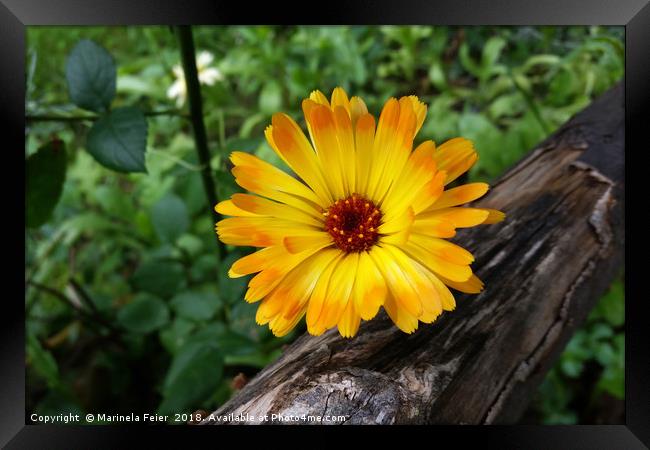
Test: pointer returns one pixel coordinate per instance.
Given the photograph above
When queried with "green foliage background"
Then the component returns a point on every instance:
(128, 306)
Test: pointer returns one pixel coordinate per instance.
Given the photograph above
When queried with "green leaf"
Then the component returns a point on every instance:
(467, 61)
(161, 278)
(571, 367)
(190, 244)
(271, 97)
(437, 75)
(144, 314)
(173, 337)
(193, 375)
(90, 71)
(226, 185)
(205, 267)
(196, 305)
(115, 201)
(170, 218)
(611, 306)
(45, 172)
(491, 53)
(42, 361)
(118, 140)
(231, 289)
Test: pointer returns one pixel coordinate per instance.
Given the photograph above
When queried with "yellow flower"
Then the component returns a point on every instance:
(365, 225)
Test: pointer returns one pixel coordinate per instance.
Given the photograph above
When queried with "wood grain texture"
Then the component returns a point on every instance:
(544, 268)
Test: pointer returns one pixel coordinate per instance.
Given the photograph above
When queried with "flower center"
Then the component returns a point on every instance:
(353, 223)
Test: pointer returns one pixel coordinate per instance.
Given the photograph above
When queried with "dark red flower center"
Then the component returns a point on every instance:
(353, 223)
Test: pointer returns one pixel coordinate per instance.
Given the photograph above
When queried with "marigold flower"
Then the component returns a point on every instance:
(365, 225)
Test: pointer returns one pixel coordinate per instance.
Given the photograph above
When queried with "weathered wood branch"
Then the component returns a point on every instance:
(544, 268)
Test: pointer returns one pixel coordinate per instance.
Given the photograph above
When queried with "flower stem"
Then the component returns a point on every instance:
(188, 59)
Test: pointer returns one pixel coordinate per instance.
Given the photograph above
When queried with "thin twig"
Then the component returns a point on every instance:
(81, 313)
(188, 58)
(94, 117)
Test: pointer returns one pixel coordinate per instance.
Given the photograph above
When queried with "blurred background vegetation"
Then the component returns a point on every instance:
(128, 306)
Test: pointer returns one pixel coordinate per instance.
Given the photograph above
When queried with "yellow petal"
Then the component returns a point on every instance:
(227, 208)
(258, 231)
(317, 299)
(384, 137)
(345, 137)
(323, 132)
(472, 286)
(265, 207)
(400, 317)
(349, 323)
(396, 280)
(369, 288)
(429, 193)
(417, 173)
(292, 293)
(455, 272)
(364, 140)
(435, 226)
(398, 224)
(460, 195)
(247, 177)
(443, 249)
(292, 145)
(357, 109)
(318, 97)
(494, 216)
(446, 297)
(431, 302)
(270, 178)
(420, 110)
(339, 291)
(274, 272)
(281, 326)
(340, 98)
(297, 244)
(255, 262)
(397, 148)
(461, 217)
(455, 157)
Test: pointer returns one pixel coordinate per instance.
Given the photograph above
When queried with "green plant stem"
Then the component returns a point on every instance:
(188, 59)
(94, 117)
(531, 103)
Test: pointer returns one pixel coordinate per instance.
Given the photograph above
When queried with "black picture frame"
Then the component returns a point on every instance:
(15, 15)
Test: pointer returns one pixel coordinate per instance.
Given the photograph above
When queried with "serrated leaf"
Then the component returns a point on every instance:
(91, 75)
(45, 172)
(144, 314)
(118, 140)
(170, 218)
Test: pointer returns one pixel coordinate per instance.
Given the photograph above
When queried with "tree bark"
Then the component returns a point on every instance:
(544, 268)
